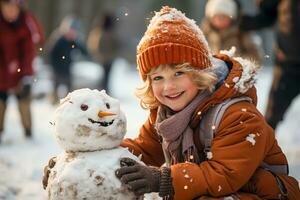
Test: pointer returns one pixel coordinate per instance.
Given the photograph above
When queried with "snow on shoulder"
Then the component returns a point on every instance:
(89, 126)
(249, 74)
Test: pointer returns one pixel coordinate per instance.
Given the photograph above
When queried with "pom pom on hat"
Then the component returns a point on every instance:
(224, 7)
(172, 38)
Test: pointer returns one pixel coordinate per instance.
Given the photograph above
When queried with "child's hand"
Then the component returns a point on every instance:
(51, 164)
(140, 179)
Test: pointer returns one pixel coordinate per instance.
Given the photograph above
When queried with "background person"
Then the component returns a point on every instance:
(221, 28)
(103, 43)
(63, 45)
(286, 73)
(20, 35)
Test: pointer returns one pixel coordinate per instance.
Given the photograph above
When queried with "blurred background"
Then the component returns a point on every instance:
(131, 17)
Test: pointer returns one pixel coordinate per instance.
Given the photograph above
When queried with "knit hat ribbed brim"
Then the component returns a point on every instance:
(172, 38)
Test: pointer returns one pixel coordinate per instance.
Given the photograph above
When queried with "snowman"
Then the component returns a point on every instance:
(89, 126)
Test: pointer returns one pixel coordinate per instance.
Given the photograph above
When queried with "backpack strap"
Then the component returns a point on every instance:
(210, 123)
(212, 118)
(277, 169)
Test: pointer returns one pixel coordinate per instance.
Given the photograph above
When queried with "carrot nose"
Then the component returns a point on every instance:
(104, 114)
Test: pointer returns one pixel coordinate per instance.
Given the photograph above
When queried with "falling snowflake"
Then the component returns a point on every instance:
(186, 176)
(18, 70)
(227, 85)
(209, 155)
(191, 157)
(250, 138)
(267, 56)
(244, 109)
(185, 187)
(219, 188)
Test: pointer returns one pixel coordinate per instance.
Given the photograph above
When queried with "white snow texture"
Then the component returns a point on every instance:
(89, 126)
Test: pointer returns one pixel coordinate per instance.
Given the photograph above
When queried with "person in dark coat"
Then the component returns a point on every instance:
(20, 35)
(104, 43)
(286, 74)
(61, 55)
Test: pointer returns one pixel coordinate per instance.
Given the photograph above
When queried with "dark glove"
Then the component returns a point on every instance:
(145, 179)
(51, 164)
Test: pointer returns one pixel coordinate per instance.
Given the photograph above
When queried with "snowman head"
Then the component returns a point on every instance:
(89, 120)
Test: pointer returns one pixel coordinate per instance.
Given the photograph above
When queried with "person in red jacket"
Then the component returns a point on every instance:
(20, 34)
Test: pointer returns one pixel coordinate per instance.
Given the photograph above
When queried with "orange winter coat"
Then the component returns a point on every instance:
(235, 160)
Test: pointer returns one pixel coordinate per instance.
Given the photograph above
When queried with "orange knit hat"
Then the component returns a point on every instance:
(172, 38)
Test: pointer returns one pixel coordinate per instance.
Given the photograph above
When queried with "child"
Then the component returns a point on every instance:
(65, 42)
(221, 28)
(20, 35)
(182, 82)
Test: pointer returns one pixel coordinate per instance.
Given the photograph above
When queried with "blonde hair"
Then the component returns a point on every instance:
(205, 80)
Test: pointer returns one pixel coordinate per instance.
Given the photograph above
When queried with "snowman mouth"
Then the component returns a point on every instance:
(105, 124)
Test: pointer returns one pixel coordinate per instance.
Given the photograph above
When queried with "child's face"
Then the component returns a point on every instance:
(10, 11)
(173, 88)
(221, 22)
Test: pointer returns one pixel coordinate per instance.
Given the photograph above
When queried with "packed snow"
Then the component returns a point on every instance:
(22, 161)
(89, 126)
(89, 120)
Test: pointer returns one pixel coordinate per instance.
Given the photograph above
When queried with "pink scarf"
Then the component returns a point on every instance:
(176, 132)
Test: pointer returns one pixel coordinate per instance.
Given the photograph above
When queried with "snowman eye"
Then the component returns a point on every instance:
(107, 105)
(84, 107)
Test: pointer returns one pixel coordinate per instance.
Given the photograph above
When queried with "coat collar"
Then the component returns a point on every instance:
(239, 82)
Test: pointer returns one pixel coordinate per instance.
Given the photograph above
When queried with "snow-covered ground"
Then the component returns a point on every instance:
(22, 161)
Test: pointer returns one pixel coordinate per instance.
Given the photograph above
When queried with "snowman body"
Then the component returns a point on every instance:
(88, 175)
(89, 126)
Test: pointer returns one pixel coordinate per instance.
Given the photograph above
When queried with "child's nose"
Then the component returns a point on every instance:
(169, 85)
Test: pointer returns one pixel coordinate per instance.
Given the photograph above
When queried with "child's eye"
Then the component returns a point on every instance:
(179, 73)
(157, 78)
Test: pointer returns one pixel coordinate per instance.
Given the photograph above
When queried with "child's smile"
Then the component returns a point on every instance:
(173, 88)
(174, 96)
